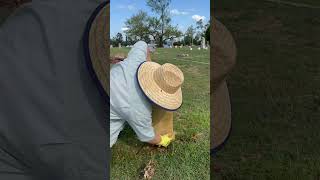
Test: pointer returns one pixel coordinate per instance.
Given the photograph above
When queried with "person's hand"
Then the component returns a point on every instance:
(165, 140)
(117, 58)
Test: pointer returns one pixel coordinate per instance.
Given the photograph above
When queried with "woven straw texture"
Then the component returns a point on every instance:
(161, 84)
(223, 54)
(221, 114)
(99, 46)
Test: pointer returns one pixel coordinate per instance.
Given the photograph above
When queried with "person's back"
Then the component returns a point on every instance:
(137, 84)
(127, 101)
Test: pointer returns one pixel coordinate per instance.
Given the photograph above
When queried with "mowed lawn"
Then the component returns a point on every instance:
(275, 91)
(188, 156)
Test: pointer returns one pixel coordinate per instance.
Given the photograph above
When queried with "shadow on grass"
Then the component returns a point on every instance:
(274, 89)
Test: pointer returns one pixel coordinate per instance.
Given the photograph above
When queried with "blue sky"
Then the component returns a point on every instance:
(183, 12)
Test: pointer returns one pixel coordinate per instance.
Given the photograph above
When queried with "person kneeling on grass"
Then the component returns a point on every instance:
(136, 84)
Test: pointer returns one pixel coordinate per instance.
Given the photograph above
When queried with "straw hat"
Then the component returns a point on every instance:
(161, 84)
(223, 54)
(96, 45)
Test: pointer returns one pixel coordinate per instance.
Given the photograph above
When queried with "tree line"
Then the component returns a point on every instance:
(159, 28)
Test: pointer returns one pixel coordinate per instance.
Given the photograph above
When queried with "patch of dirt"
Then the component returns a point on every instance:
(183, 55)
(149, 170)
(195, 137)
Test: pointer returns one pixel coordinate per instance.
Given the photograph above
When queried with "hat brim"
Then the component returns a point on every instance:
(221, 117)
(96, 46)
(154, 93)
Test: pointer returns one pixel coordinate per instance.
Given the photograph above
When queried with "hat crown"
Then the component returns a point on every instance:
(169, 78)
(223, 52)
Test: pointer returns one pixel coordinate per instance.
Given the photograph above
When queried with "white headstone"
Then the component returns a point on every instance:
(203, 43)
(119, 45)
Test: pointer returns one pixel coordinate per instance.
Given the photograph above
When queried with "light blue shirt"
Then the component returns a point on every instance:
(127, 100)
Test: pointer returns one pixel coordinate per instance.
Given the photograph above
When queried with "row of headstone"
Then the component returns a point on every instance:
(181, 46)
(119, 45)
(202, 46)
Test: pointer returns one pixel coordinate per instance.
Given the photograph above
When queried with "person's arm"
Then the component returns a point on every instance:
(117, 58)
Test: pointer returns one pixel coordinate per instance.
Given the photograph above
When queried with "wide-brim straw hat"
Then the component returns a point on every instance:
(96, 46)
(161, 84)
(223, 54)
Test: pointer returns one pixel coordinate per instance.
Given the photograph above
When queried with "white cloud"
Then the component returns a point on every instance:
(128, 7)
(177, 12)
(192, 10)
(131, 7)
(198, 17)
(124, 28)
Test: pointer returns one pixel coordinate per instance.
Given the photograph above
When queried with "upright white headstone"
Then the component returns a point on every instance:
(203, 43)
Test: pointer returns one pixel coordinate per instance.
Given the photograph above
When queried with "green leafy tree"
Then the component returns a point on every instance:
(161, 8)
(119, 38)
(129, 40)
(162, 29)
(141, 26)
(189, 35)
(200, 25)
(207, 34)
(137, 25)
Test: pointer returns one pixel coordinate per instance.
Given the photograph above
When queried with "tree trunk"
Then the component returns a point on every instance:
(161, 41)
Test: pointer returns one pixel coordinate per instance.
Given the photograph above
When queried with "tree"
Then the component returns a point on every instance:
(119, 38)
(113, 41)
(160, 26)
(129, 40)
(189, 35)
(207, 34)
(142, 26)
(200, 25)
(137, 25)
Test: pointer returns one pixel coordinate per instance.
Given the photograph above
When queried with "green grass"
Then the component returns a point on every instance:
(275, 91)
(186, 157)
